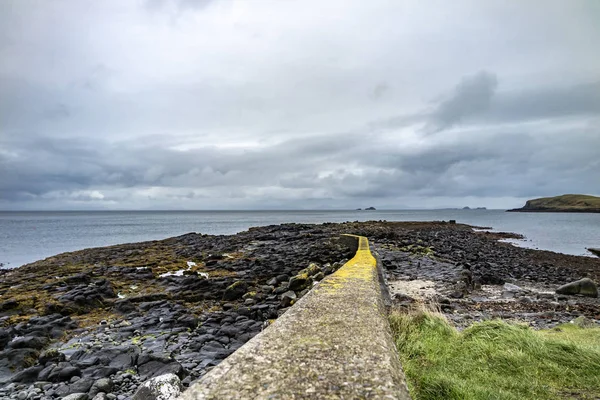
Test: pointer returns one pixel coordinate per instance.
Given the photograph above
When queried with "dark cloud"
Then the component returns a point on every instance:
(547, 102)
(207, 104)
(471, 97)
(339, 166)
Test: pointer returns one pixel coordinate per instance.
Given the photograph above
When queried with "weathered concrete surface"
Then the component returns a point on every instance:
(335, 343)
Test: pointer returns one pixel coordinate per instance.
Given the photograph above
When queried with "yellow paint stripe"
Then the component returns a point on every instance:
(361, 267)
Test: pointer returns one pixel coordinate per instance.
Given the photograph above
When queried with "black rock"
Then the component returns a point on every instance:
(124, 306)
(5, 337)
(51, 355)
(235, 291)
(152, 369)
(68, 372)
(83, 385)
(29, 342)
(28, 375)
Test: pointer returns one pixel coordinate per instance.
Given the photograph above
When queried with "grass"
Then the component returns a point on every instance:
(496, 360)
(566, 202)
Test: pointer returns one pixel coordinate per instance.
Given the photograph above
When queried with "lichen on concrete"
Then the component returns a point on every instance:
(333, 343)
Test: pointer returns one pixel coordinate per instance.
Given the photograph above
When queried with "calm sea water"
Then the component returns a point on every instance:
(29, 236)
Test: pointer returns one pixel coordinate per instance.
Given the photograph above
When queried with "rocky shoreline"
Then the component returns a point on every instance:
(98, 323)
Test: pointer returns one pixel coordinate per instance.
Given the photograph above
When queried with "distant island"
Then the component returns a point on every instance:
(370, 209)
(476, 208)
(565, 203)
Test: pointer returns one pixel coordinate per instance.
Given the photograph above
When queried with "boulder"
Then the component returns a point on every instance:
(584, 287)
(584, 322)
(51, 355)
(153, 369)
(28, 342)
(288, 298)
(299, 282)
(509, 291)
(27, 375)
(82, 385)
(235, 291)
(76, 396)
(312, 269)
(103, 385)
(318, 276)
(164, 387)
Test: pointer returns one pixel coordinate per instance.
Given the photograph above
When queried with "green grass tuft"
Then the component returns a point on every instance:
(496, 360)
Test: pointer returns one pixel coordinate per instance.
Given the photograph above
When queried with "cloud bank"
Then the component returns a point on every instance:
(230, 104)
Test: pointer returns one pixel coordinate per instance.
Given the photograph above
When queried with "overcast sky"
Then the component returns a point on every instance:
(240, 104)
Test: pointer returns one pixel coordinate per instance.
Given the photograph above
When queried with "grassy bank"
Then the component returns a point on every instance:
(496, 360)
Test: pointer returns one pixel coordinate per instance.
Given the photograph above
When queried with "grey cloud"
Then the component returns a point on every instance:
(547, 102)
(472, 96)
(212, 104)
(380, 90)
(498, 162)
(155, 5)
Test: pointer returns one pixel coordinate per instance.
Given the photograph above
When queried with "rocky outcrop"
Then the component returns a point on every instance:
(583, 287)
(139, 324)
(595, 251)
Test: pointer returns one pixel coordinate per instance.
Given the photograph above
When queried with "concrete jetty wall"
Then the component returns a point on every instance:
(335, 342)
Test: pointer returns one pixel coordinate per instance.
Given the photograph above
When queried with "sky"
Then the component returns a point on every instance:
(268, 104)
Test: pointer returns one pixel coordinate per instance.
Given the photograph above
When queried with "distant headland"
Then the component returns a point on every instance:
(565, 203)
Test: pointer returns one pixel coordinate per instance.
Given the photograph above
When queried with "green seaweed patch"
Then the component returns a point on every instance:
(418, 250)
(137, 340)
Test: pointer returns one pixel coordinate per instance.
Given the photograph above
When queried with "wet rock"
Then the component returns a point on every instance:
(124, 306)
(103, 372)
(584, 287)
(164, 387)
(63, 372)
(299, 282)
(76, 396)
(28, 375)
(5, 337)
(489, 278)
(235, 291)
(51, 355)
(103, 385)
(29, 342)
(318, 276)
(288, 298)
(272, 282)
(510, 291)
(153, 369)
(17, 359)
(9, 305)
(76, 279)
(82, 385)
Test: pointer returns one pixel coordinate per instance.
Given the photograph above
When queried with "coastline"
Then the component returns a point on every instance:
(554, 210)
(183, 304)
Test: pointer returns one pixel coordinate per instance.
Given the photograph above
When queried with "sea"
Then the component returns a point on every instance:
(29, 236)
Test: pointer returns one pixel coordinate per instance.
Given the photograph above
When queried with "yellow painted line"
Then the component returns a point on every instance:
(361, 267)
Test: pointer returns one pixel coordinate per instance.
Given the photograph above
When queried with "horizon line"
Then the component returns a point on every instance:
(260, 209)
